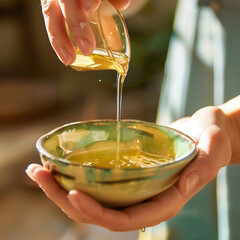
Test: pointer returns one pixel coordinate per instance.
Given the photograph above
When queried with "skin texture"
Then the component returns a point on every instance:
(56, 12)
(216, 132)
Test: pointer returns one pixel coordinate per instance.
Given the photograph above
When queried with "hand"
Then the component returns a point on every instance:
(209, 127)
(56, 12)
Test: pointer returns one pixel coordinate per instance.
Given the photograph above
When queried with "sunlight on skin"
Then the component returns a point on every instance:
(55, 14)
(215, 131)
(212, 131)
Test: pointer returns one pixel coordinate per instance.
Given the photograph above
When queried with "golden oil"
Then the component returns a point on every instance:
(104, 156)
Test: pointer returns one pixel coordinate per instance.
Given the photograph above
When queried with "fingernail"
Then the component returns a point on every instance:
(85, 46)
(192, 181)
(90, 5)
(65, 56)
(73, 200)
(30, 172)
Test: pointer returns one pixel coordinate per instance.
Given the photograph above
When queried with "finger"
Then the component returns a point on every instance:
(45, 180)
(78, 25)
(56, 30)
(150, 213)
(91, 5)
(53, 191)
(178, 124)
(30, 170)
(92, 210)
(201, 120)
(121, 5)
(181, 124)
(211, 157)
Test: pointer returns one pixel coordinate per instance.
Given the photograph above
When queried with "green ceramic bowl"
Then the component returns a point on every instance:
(115, 187)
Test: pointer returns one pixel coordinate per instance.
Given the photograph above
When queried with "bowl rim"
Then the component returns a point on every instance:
(41, 150)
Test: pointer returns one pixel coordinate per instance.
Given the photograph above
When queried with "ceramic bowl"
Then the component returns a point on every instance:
(116, 187)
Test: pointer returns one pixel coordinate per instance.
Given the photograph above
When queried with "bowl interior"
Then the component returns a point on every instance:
(116, 187)
(142, 136)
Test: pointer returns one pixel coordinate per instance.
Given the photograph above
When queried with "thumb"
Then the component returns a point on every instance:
(213, 154)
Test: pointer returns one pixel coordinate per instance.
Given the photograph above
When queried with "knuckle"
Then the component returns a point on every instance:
(219, 139)
(212, 171)
(173, 213)
(55, 194)
(75, 26)
(78, 26)
(52, 38)
(48, 8)
(63, 2)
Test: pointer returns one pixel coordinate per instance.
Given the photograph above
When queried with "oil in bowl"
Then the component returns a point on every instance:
(88, 156)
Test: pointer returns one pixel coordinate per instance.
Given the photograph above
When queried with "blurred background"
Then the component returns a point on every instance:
(38, 93)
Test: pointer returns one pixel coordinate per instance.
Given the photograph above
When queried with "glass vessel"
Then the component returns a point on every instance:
(112, 42)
